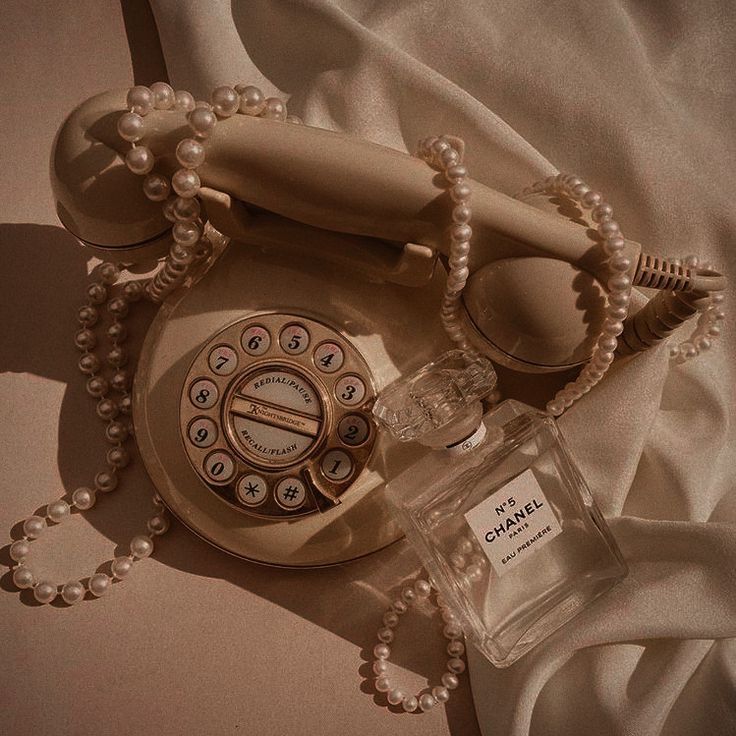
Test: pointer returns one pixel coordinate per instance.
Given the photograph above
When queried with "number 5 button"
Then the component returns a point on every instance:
(336, 465)
(294, 339)
(350, 390)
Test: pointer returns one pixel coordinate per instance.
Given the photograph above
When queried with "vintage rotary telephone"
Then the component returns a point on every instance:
(253, 394)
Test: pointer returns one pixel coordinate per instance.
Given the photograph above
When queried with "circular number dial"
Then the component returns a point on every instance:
(275, 415)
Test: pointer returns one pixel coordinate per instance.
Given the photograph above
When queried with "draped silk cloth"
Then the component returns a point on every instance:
(640, 100)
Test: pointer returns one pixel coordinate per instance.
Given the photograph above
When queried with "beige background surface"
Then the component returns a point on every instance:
(194, 641)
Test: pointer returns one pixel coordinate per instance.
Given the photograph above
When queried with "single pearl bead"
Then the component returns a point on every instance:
(613, 327)
(87, 316)
(607, 342)
(109, 273)
(183, 100)
(460, 192)
(380, 667)
(621, 282)
(450, 157)
(702, 343)
(591, 199)
(141, 546)
(453, 630)
(186, 182)
(555, 408)
(675, 351)
(83, 498)
(96, 293)
(390, 619)
(456, 648)
(461, 214)
(156, 187)
(252, 100)
(691, 261)
(89, 364)
(186, 208)
(688, 350)
(57, 511)
(202, 121)
(164, 96)
(441, 694)
(455, 665)
(450, 680)
(408, 595)
(99, 584)
(106, 482)
(118, 307)
(395, 696)
(457, 560)
(225, 101)
(464, 546)
(386, 635)
(427, 702)
(448, 616)
(614, 245)
(72, 592)
(620, 263)
(461, 233)
(383, 684)
(399, 607)
(714, 331)
(609, 229)
(294, 120)
(410, 704)
(33, 526)
(190, 153)
(616, 313)
(117, 357)
(118, 457)
(474, 573)
(140, 100)
(580, 191)
(139, 160)
(274, 109)
(619, 299)
(120, 381)
(381, 651)
(186, 233)
(19, 550)
(457, 262)
(130, 127)
(121, 566)
(132, 292)
(717, 314)
(455, 173)
(107, 409)
(45, 592)
(85, 339)
(23, 577)
(116, 432)
(158, 524)
(602, 212)
(717, 298)
(422, 588)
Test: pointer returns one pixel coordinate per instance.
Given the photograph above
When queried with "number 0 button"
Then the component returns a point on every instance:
(353, 430)
(350, 390)
(290, 493)
(223, 360)
(219, 467)
(294, 339)
(202, 432)
(255, 340)
(336, 465)
(203, 394)
(329, 357)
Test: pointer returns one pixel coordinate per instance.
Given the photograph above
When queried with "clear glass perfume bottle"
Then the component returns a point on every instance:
(498, 512)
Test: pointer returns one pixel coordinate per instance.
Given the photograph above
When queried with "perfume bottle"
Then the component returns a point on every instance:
(497, 511)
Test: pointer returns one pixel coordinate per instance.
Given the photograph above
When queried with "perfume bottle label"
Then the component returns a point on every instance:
(514, 522)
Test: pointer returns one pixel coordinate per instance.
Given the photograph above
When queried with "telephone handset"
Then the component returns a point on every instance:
(254, 388)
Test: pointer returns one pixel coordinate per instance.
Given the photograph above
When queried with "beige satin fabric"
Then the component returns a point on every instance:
(639, 99)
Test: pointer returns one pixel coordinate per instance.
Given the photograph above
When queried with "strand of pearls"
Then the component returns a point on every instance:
(424, 701)
(707, 329)
(117, 433)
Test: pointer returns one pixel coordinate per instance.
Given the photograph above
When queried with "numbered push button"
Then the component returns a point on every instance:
(202, 432)
(353, 430)
(252, 490)
(256, 340)
(329, 357)
(350, 390)
(336, 465)
(294, 339)
(223, 360)
(219, 466)
(203, 394)
(290, 493)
